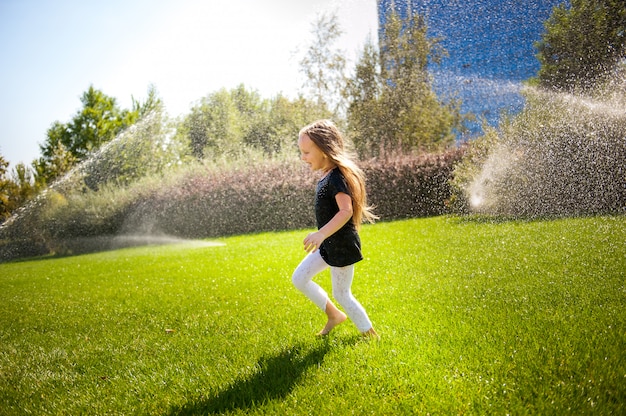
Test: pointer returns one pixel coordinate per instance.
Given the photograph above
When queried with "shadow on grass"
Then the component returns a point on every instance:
(273, 377)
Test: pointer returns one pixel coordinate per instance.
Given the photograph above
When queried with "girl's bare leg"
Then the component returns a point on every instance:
(335, 317)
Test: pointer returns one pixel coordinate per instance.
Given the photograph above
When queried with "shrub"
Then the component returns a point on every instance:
(411, 186)
(279, 195)
(210, 201)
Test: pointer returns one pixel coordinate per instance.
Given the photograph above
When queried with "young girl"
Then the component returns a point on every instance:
(340, 207)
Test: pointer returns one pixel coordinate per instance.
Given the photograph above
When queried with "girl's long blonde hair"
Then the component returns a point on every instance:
(329, 139)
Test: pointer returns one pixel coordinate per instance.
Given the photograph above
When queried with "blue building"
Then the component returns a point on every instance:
(490, 45)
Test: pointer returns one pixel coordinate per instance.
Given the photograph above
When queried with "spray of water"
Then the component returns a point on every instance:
(39, 227)
(80, 245)
(496, 166)
(563, 155)
(96, 168)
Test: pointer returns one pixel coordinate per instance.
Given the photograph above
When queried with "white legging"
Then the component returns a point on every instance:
(341, 278)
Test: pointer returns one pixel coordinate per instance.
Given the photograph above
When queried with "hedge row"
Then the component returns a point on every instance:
(206, 202)
(280, 196)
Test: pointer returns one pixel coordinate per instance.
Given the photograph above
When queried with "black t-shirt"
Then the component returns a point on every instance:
(343, 248)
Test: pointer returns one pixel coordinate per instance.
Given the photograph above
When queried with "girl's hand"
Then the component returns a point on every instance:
(313, 241)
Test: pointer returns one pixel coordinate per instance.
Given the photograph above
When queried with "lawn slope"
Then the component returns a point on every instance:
(475, 317)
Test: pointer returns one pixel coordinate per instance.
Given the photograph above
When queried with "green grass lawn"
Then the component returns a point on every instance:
(475, 317)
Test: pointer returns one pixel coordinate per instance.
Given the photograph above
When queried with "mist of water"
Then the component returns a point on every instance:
(81, 245)
(39, 227)
(564, 155)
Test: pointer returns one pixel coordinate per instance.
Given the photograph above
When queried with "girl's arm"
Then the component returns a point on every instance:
(314, 240)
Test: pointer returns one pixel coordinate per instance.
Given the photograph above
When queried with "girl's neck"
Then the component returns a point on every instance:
(327, 169)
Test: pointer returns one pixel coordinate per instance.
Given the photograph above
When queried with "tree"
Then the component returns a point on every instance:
(366, 119)
(7, 191)
(23, 178)
(214, 126)
(16, 187)
(275, 128)
(144, 149)
(56, 161)
(582, 44)
(324, 66)
(231, 122)
(153, 103)
(392, 106)
(99, 121)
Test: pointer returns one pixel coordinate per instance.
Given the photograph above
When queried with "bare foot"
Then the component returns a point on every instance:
(370, 333)
(334, 320)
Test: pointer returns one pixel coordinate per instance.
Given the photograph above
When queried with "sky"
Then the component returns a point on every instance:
(52, 51)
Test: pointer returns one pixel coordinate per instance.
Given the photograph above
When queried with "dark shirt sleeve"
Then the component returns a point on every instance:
(337, 184)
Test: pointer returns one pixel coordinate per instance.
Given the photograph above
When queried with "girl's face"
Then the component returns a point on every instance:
(312, 155)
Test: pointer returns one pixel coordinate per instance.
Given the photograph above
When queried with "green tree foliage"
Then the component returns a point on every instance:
(7, 191)
(152, 104)
(275, 128)
(324, 66)
(214, 126)
(56, 161)
(392, 106)
(228, 123)
(141, 150)
(16, 187)
(23, 177)
(582, 44)
(98, 122)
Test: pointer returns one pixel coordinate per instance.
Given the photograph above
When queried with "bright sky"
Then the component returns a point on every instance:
(52, 51)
